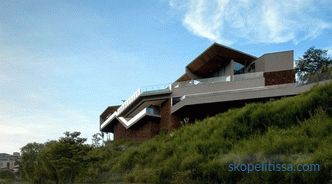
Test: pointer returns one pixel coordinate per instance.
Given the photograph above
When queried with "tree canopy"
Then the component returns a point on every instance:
(312, 62)
(59, 161)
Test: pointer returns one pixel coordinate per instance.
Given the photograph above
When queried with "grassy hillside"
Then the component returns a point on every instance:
(291, 130)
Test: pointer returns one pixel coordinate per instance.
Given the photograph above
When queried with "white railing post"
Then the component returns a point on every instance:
(129, 100)
(139, 91)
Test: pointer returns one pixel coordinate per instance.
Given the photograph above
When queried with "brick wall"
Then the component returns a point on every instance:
(168, 121)
(143, 130)
(279, 77)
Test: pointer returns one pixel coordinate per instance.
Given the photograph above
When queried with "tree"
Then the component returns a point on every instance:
(96, 138)
(29, 160)
(67, 157)
(56, 162)
(312, 62)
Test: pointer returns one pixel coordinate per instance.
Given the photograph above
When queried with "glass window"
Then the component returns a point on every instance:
(238, 68)
(251, 68)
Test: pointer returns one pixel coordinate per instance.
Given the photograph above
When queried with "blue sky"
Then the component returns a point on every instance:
(63, 62)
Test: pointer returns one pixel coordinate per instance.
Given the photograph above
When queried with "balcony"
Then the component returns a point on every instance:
(157, 92)
(149, 111)
(109, 119)
(243, 87)
(220, 79)
(128, 122)
(132, 98)
(215, 84)
(155, 89)
(145, 91)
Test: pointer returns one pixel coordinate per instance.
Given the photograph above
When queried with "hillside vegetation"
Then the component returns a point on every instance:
(291, 130)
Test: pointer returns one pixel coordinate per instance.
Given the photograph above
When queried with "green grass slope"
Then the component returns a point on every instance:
(291, 130)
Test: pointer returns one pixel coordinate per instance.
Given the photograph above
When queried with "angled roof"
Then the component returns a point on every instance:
(108, 111)
(183, 77)
(215, 56)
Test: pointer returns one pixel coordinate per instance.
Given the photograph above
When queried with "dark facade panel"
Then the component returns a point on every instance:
(146, 129)
(168, 121)
(279, 77)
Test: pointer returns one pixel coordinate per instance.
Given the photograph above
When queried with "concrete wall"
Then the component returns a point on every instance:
(260, 64)
(261, 92)
(218, 86)
(229, 69)
(277, 61)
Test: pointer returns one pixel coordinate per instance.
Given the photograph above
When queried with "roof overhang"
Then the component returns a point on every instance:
(183, 77)
(214, 56)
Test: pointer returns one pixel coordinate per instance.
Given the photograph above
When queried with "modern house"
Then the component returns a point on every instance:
(218, 79)
(9, 162)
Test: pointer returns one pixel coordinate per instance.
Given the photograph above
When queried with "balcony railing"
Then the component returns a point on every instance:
(108, 119)
(147, 90)
(158, 89)
(229, 78)
(247, 76)
(317, 77)
(129, 100)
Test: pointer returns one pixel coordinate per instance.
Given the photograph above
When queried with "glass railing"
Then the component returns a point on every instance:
(247, 76)
(317, 77)
(156, 88)
(229, 78)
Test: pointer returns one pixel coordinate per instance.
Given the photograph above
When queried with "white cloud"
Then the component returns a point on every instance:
(204, 20)
(266, 21)
(329, 51)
